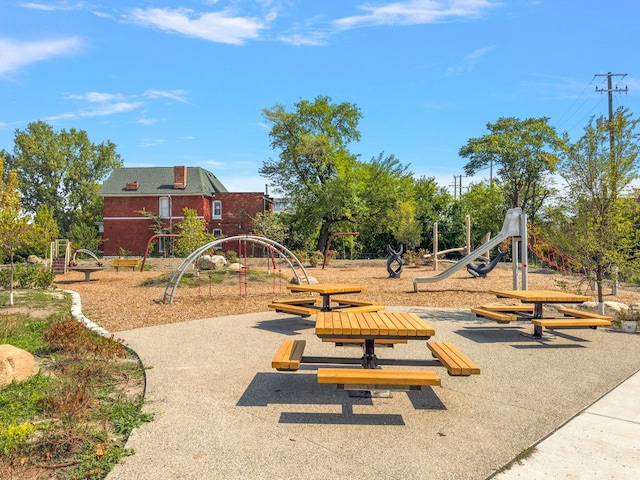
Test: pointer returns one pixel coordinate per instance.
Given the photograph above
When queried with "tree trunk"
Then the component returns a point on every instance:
(323, 238)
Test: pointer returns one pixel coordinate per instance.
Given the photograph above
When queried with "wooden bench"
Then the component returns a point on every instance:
(356, 305)
(289, 355)
(575, 313)
(301, 310)
(377, 379)
(574, 318)
(125, 263)
(456, 362)
(499, 317)
(354, 302)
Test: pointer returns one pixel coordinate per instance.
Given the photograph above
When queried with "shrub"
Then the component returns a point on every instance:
(27, 276)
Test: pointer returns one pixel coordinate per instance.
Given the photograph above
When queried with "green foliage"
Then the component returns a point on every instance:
(63, 170)
(596, 224)
(41, 233)
(524, 154)
(192, 233)
(484, 203)
(26, 276)
(315, 258)
(77, 411)
(85, 235)
(314, 161)
(270, 225)
(407, 229)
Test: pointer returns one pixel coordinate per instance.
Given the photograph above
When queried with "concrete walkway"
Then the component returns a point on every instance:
(603, 441)
(221, 411)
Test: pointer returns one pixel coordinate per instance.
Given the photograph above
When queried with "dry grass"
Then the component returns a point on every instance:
(118, 301)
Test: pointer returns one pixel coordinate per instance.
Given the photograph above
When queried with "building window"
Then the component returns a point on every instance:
(164, 207)
(217, 209)
(217, 232)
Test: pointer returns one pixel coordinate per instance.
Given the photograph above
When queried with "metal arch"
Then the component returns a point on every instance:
(274, 246)
(87, 252)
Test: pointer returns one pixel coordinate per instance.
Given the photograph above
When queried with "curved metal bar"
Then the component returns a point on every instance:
(88, 252)
(274, 246)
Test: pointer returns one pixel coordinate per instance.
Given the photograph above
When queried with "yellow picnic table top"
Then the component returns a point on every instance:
(372, 324)
(542, 296)
(327, 288)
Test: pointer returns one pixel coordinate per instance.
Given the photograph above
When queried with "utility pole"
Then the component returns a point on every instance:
(610, 91)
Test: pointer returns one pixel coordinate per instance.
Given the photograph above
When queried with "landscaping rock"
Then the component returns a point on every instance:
(298, 281)
(16, 364)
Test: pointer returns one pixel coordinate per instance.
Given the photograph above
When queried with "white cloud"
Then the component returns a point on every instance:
(177, 95)
(220, 27)
(51, 6)
(15, 55)
(469, 61)
(100, 111)
(416, 12)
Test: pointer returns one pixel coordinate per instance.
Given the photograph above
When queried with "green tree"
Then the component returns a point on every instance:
(83, 235)
(484, 203)
(435, 204)
(597, 169)
(382, 199)
(406, 230)
(63, 170)
(13, 223)
(314, 162)
(270, 225)
(524, 152)
(42, 231)
(192, 233)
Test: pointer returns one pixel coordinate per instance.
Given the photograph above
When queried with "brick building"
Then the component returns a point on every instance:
(166, 191)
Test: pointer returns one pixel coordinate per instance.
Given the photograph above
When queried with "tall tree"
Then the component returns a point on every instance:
(484, 203)
(314, 161)
(13, 223)
(524, 152)
(63, 170)
(597, 169)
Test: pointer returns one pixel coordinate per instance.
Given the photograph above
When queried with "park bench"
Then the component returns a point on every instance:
(378, 379)
(503, 313)
(125, 263)
(303, 306)
(575, 313)
(456, 362)
(289, 355)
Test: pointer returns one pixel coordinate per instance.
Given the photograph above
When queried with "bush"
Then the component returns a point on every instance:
(27, 276)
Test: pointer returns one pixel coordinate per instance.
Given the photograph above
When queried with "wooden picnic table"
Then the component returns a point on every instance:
(326, 290)
(540, 297)
(372, 326)
(573, 318)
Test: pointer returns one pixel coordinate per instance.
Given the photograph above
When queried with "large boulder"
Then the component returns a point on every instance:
(212, 262)
(16, 364)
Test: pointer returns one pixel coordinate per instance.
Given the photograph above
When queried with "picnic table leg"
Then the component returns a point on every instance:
(87, 276)
(537, 313)
(369, 358)
(326, 303)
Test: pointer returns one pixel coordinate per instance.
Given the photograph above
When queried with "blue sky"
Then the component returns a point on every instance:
(185, 82)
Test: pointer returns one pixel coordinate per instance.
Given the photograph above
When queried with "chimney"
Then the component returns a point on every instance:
(179, 177)
(132, 185)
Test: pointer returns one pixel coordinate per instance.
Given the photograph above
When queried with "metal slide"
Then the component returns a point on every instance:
(510, 228)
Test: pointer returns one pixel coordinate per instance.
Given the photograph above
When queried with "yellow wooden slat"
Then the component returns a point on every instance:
(364, 376)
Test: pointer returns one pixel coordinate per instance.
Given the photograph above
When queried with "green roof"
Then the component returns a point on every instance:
(159, 181)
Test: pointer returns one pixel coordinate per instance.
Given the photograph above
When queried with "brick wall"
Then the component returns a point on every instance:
(125, 228)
